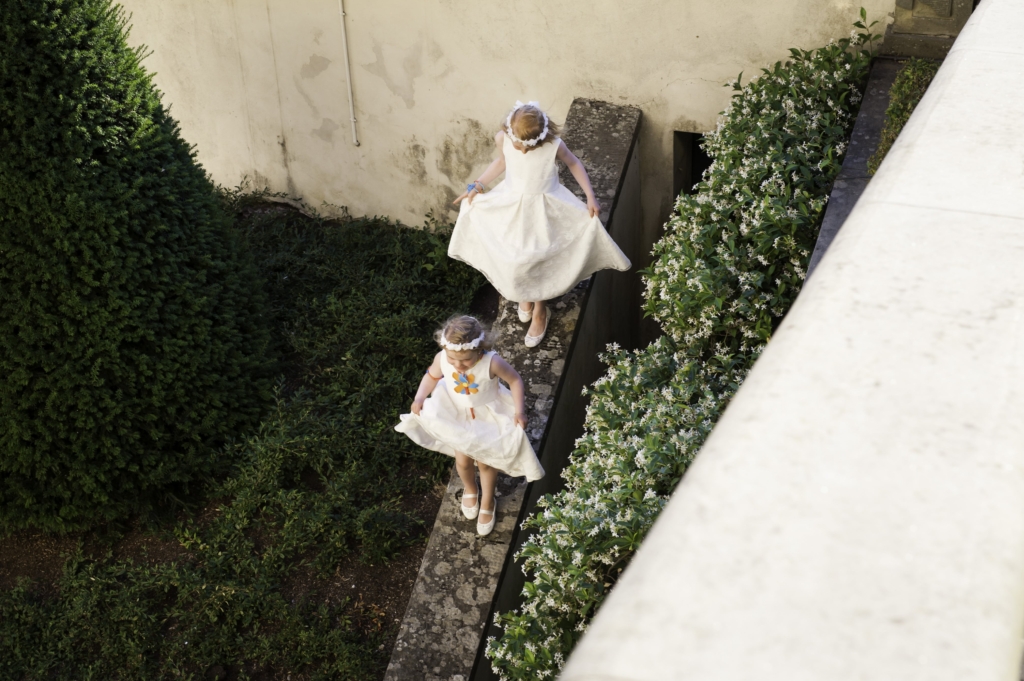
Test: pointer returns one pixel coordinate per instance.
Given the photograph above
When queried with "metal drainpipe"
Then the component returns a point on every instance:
(348, 72)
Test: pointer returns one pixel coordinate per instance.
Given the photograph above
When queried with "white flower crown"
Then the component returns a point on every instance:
(459, 347)
(512, 136)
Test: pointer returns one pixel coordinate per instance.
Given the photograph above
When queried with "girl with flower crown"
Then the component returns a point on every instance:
(471, 416)
(530, 236)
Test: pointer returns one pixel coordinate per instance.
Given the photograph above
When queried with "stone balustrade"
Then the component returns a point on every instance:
(858, 513)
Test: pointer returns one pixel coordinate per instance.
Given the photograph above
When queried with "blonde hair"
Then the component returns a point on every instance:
(465, 329)
(528, 123)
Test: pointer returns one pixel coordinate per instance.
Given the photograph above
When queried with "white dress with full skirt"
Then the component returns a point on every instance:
(472, 413)
(530, 236)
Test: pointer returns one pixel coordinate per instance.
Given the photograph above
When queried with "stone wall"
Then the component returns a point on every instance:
(260, 86)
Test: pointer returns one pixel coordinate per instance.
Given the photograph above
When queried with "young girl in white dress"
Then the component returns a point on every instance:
(530, 236)
(472, 417)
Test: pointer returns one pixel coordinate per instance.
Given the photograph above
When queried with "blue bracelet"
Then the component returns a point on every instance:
(471, 186)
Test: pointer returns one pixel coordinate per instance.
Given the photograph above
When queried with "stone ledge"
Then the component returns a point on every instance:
(440, 635)
(915, 45)
(858, 511)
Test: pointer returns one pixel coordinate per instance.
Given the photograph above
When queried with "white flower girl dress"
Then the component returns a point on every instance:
(472, 413)
(530, 236)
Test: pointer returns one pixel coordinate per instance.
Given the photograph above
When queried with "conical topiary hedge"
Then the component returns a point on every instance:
(131, 340)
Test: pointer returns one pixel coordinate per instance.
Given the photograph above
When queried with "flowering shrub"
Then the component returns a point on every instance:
(728, 268)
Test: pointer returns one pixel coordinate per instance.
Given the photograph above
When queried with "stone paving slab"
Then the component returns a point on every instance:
(440, 634)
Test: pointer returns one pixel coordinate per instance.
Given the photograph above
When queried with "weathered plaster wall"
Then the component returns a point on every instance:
(259, 85)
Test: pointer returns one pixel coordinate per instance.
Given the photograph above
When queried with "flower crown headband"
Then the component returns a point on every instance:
(512, 136)
(459, 347)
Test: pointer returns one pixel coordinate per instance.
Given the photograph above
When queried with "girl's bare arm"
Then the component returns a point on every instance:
(575, 167)
(492, 171)
(507, 373)
(427, 384)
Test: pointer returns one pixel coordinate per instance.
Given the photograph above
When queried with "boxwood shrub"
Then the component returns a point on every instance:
(906, 92)
(731, 263)
(131, 338)
(250, 583)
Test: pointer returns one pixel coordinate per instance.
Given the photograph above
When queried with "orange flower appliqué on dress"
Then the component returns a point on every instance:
(465, 384)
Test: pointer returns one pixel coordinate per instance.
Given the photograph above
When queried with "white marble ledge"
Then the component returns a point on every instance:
(858, 512)
(963, 148)
(991, 29)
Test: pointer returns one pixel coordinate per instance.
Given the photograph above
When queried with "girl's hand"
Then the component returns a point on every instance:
(580, 174)
(416, 406)
(503, 370)
(468, 195)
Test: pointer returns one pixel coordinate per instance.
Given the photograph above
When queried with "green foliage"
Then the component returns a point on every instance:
(321, 480)
(728, 268)
(382, 531)
(127, 621)
(907, 90)
(131, 339)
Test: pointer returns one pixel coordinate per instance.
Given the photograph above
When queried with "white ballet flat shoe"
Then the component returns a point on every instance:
(469, 511)
(485, 529)
(534, 341)
(525, 315)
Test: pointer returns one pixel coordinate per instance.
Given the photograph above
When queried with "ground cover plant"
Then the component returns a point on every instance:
(132, 345)
(906, 92)
(731, 263)
(323, 481)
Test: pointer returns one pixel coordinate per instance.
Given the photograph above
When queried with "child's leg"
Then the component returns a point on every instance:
(464, 465)
(488, 481)
(540, 318)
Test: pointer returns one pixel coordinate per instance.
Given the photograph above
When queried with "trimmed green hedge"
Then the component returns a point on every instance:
(132, 342)
(354, 303)
(728, 268)
(906, 92)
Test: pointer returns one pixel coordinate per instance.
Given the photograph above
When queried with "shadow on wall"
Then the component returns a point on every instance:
(689, 162)
(469, 145)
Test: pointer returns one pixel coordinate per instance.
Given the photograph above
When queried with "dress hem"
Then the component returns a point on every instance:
(516, 299)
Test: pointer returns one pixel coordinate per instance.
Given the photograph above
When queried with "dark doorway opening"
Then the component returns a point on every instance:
(690, 161)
